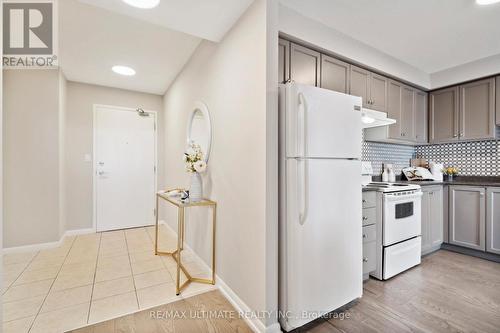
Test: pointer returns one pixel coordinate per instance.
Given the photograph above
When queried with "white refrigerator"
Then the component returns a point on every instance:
(320, 203)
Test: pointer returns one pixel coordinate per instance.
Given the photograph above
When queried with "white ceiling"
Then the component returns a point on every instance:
(427, 34)
(208, 19)
(93, 39)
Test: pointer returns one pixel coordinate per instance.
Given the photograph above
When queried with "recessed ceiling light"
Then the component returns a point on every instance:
(486, 2)
(144, 4)
(123, 70)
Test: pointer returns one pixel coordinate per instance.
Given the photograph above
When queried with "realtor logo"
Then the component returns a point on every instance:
(28, 33)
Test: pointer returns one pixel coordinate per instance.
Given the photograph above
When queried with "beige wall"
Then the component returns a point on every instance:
(31, 156)
(230, 77)
(79, 139)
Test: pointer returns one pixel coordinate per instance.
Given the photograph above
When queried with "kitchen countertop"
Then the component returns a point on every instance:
(459, 180)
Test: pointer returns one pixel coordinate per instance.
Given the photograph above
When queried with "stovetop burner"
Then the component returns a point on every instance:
(392, 187)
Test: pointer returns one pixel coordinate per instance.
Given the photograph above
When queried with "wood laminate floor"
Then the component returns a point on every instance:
(448, 292)
(207, 312)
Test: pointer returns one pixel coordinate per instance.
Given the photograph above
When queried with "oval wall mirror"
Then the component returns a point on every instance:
(199, 130)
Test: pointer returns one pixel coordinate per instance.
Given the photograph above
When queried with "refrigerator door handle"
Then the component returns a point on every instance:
(302, 124)
(303, 191)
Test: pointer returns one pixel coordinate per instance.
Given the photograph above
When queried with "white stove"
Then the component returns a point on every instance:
(392, 187)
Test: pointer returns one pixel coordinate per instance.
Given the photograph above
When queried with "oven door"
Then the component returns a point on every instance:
(401, 216)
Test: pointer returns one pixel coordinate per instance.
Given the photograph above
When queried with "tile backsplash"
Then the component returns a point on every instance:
(381, 153)
(479, 158)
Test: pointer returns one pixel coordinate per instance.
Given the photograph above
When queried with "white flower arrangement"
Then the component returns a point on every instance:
(193, 158)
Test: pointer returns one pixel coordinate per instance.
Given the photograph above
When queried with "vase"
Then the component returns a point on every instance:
(196, 188)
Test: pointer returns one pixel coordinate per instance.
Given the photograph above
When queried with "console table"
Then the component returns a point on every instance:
(176, 255)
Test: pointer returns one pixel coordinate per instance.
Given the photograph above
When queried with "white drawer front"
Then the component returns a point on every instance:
(369, 199)
(400, 257)
(369, 216)
(369, 255)
(369, 233)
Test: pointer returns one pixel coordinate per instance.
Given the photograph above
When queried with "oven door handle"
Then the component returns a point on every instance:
(403, 197)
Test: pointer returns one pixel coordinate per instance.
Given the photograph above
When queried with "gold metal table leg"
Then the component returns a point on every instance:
(214, 218)
(156, 228)
(180, 228)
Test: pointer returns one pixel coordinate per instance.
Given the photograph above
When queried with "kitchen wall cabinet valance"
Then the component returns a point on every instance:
(464, 112)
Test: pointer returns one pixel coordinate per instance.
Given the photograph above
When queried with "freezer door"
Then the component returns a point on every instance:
(321, 123)
(322, 257)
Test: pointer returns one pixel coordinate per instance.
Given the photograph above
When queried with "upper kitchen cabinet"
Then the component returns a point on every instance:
(477, 110)
(408, 106)
(369, 86)
(335, 74)
(378, 92)
(284, 61)
(421, 119)
(443, 125)
(498, 100)
(465, 112)
(408, 113)
(304, 65)
(467, 219)
(360, 84)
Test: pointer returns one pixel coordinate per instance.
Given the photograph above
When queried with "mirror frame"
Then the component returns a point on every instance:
(200, 106)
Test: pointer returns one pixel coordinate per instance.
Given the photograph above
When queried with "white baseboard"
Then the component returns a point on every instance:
(255, 324)
(49, 245)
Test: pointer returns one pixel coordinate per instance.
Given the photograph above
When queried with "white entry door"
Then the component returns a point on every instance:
(125, 168)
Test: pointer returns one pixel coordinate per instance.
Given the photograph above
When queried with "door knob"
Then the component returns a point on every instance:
(364, 236)
(365, 259)
(365, 218)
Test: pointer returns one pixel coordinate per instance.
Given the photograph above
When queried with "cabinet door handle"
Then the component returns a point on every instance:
(455, 135)
(365, 259)
(364, 236)
(481, 194)
(364, 201)
(365, 218)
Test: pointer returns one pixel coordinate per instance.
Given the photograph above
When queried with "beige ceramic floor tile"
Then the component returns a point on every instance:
(66, 298)
(18, 326)
(113, 287)
(152, 278)
(37, 275)
(28, 290)
(157, 295)
(143, 255)
(17, 258)
(44, 262)
(55, 252)
(73, 280)
(118, 260)
(14, 269)
(113, 253)
(112, 272)
(144, 266)
(23, 308)
(61, 320)
(111, 307)
(79, 268)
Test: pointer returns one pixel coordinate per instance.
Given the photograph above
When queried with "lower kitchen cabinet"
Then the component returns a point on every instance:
(493, 220)
(369, 233)
(467, 220)
(432, 218)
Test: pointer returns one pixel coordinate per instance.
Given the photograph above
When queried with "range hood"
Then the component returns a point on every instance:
(371, 118)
